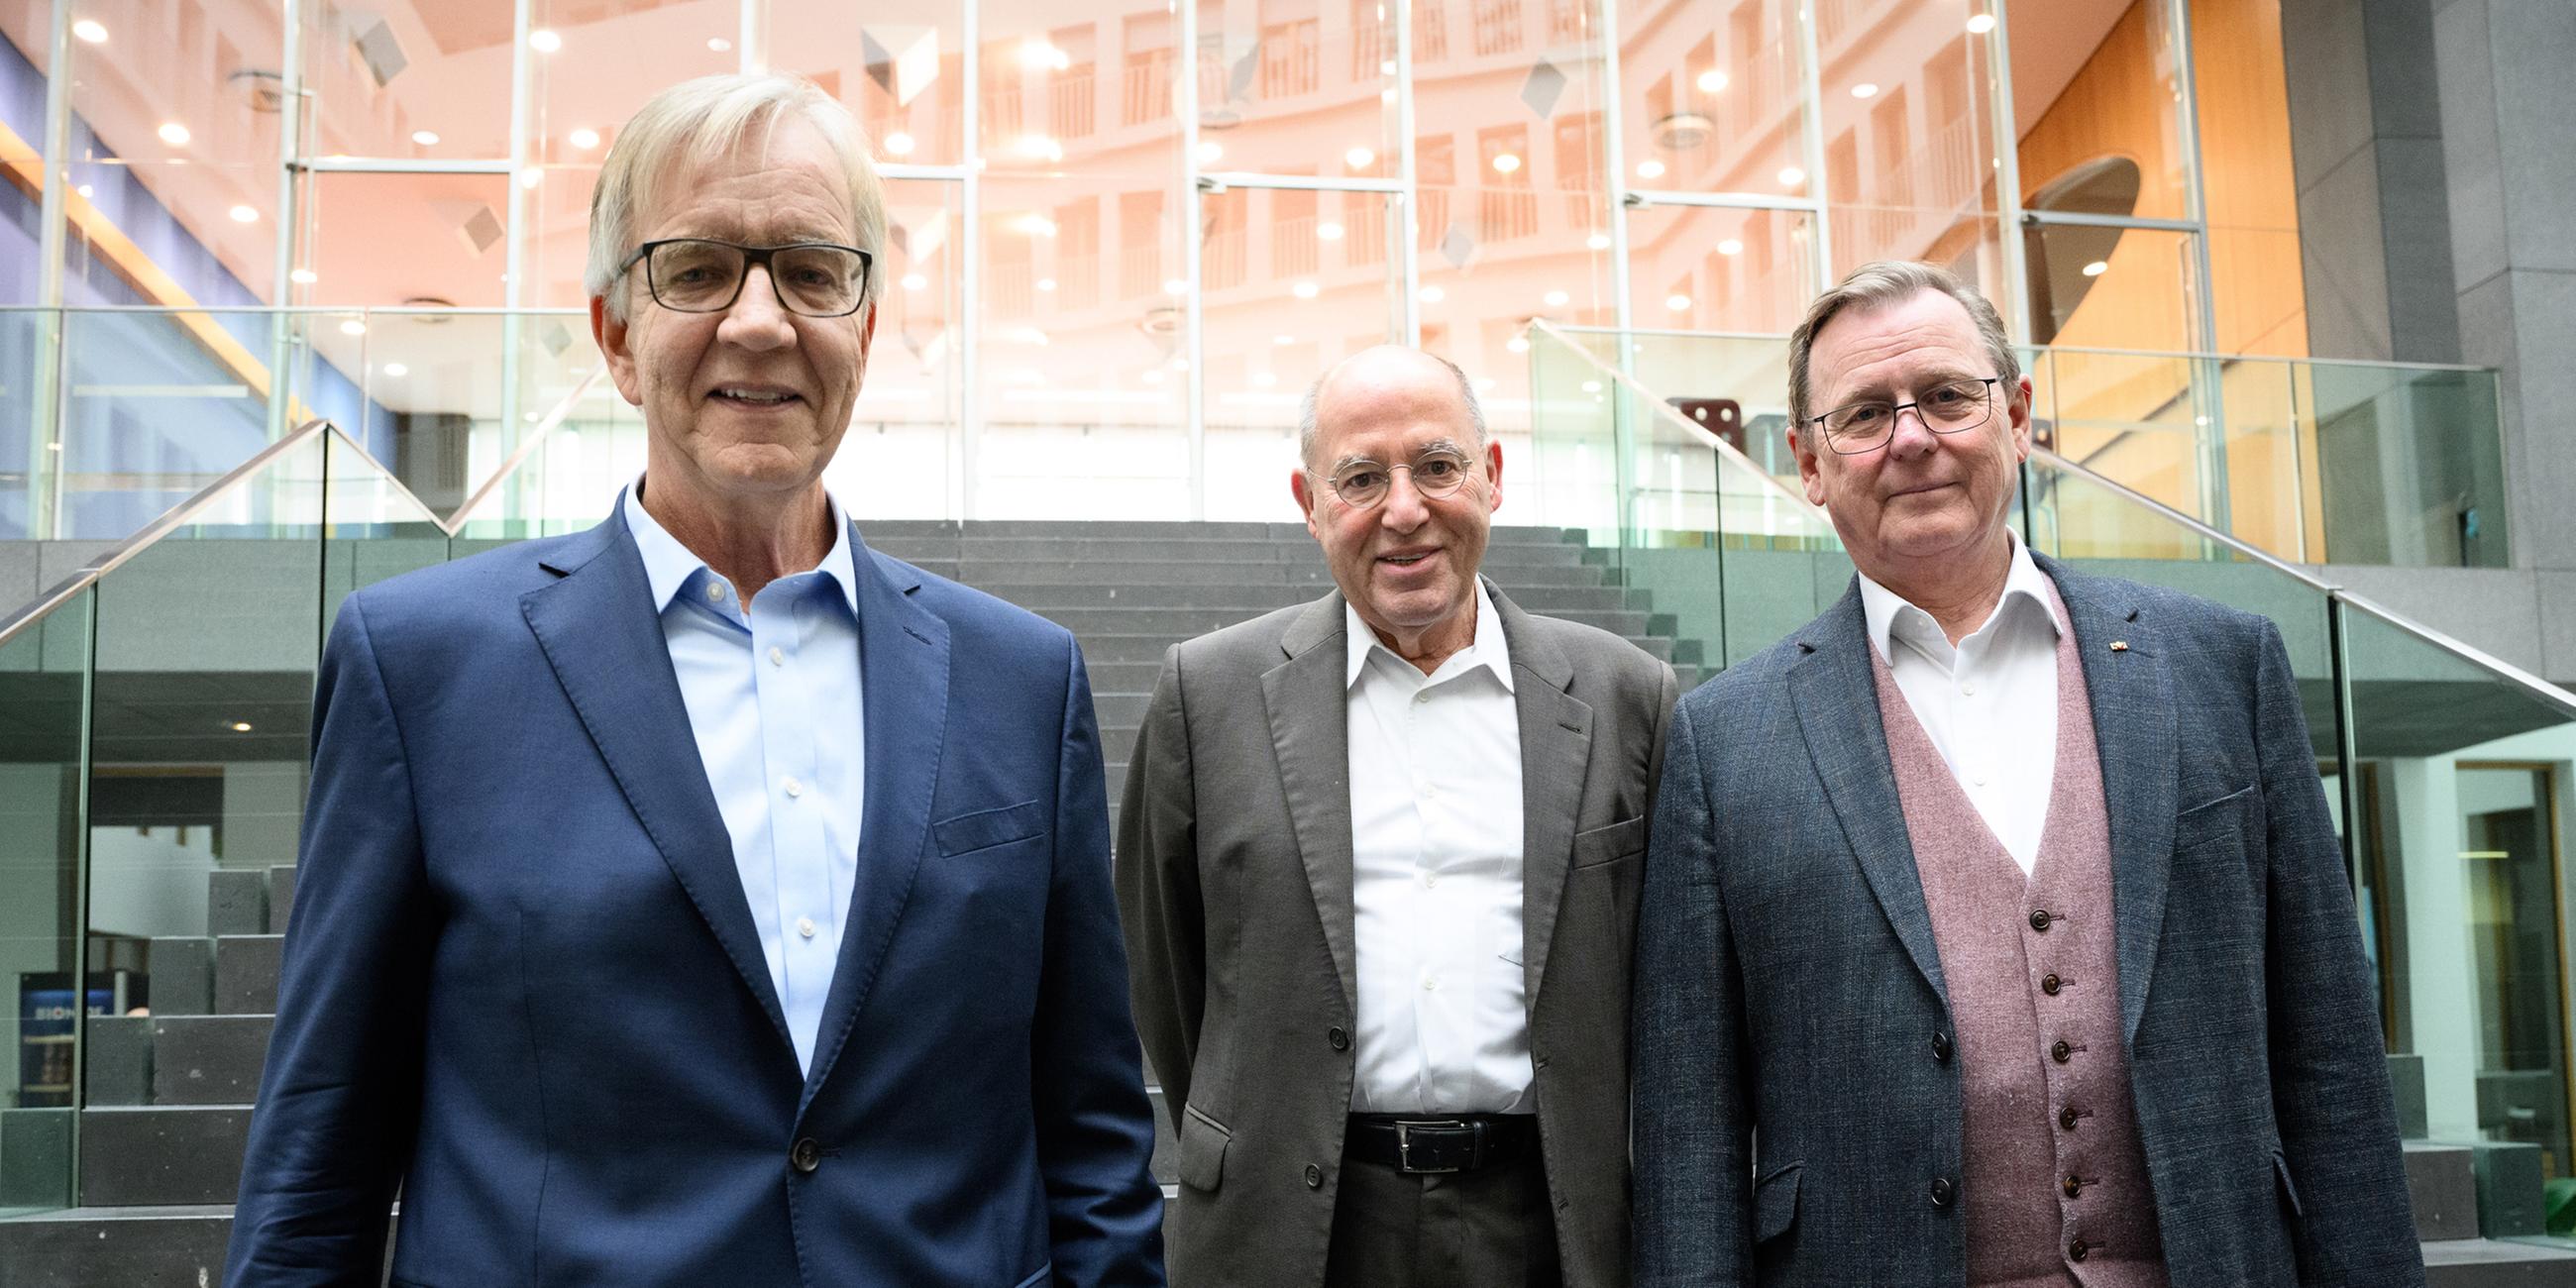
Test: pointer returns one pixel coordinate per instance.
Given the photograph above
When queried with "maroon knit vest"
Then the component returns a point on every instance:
(2056, 1189)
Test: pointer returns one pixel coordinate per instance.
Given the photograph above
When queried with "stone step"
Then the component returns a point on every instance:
(1242, 572)
(160, 1154)
(1186, 623)
(1501, 534)
(246, 974)
(183, 975)
(2492, 1263)
(1253, 599)
(1302, 549)
(2443, 1181)
(178, 1246)
(208, 1059)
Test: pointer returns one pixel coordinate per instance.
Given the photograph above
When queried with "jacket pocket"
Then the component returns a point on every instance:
(2289, 1192)
(1775, 1203)
(1203, 1142)
(984, 829)
(1610, 844)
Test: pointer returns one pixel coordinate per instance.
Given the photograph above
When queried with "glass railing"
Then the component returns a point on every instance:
(2315, 461)
(2451, 775)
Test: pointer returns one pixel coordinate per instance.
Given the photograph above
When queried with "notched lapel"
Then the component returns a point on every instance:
(1556, 747)
(598, 631)
(903, 660)
(1836, 696)
(1305, 699)
(2131, 692)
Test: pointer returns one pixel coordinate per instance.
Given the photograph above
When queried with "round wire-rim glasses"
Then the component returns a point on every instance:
(704, 275)
(1436, 474)
(1952, 407)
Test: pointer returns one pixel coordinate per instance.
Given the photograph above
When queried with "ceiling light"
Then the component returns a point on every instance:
(240, 726)
(1650, 168)
(2097, 268)
(1210, 152)
(899, 144)
(396, 369)
(1517, 344)
(1039, 147)
(86, 190)
(1597, 241)
(1711, 81)
(1506, 162)
(1328, 231)
(1433, 295)
(353, 327)
(1866, 89)
(1359, 158)
(1591, 386)
(304, 277)
(1305, 290)
(1037, 54)
(719, 45)
(1557, 299)
(584, 138)
(1153, 377)
(531, 177)
(914, 281)
(1730, 247)
(1485, 384)
(245, 214)
(1175, 286)
(1264, 379)
(425, 138)
(1980, 23)
(1678, 303)
(89, 30)
(174, 134)
(1046, 284)
(1791, 176)
(544, 41)
(1035, 225)
(1283, 340)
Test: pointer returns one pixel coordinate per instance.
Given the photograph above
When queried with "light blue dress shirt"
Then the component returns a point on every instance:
(774, 700)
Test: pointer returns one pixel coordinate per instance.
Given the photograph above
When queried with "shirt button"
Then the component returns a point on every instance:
(795, 788)
(777, 658)
(1430, 879)
(1969, 688)
(1979, 778)
(1430, 983)
(805, 927)
(1422, 697)
(715, 592)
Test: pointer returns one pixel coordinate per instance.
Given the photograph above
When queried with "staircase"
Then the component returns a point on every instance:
(169, 1094)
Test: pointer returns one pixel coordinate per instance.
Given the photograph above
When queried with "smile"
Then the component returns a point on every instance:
(751, 397)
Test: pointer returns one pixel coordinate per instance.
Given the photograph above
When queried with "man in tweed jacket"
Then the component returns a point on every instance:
(1995, 930)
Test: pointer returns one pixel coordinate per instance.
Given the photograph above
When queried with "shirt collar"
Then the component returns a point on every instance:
(1891, 617)
(1488, 650)
(669, 566)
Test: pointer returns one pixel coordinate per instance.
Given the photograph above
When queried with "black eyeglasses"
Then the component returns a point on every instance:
(1952, 408)
(702, 275)
(1437, 473)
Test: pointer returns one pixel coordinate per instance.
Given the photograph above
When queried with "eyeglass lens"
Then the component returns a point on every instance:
(1946, 409)
(1362, 484)
(705, 276)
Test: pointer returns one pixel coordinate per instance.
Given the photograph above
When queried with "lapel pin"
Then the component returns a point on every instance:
(2119, 646)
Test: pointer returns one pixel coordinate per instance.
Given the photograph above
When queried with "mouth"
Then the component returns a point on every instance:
(1918, 489)
(755, 397)
(1407, 559)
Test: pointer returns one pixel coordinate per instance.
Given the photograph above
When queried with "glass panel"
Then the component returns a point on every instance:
(2137, 419)
(451, 231)
(374, 527)
(156, 406)
(1720, 269)
(1308, 86)
(903, 74)
(901, 458)
(44, 705)
(2465, 781)
(2111, 288)
(1714, 97)
(26, 36)
(2410, 465)
(26, 460)
(2094, 87)
(1909, 137)
(2240, 81)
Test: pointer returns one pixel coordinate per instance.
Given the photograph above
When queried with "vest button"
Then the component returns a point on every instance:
(2061, 1053)
(2039, 920)
(2077, 1250)
(805, 1156)
(2074, 1187)
(2066, 1118)
(1314, 1177)
(2049, 984)
(1941, 1047)
(1941, 1191)
(1341, 1041)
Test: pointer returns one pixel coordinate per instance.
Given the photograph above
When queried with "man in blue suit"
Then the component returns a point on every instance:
(1995, 931)
(703, 898)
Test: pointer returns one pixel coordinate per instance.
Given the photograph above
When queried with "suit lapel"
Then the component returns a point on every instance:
(1306, 699)
(1556, 744)
(2131, 692)
(598, 630)
(1836, 696)
(903, 668)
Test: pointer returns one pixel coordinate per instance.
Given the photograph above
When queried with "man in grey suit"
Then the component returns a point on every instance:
(1378, 863)
(1995, 930)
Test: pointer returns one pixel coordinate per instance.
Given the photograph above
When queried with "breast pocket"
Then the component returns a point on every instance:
(986, 829)
(1609, 844)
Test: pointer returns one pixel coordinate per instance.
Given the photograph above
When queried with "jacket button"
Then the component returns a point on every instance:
(2049, 985)
(2074, 1187)
(1941, 1047)
(2061, 1053)
(2039, 920)
(805, 1156)
(2078, 1250)
(1341, 1041)
(1314, 1177)
(1941, 1191)
(2066, 1118)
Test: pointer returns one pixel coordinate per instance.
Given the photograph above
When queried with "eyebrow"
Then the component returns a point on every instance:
(1435, 445)
(1878, 391)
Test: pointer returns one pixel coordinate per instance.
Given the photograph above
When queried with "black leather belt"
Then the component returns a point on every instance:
(1424, 1145)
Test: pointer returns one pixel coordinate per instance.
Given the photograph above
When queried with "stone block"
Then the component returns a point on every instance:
(2509, 1180)
(161, 1154)
(35, 1157)
(2443, 1181)
(183, 976)
(246, 974)
(2406, 1078)
(117, 1066)
(237, 901)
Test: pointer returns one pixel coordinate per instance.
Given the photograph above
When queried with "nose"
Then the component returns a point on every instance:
(757, 320)
(1907, 444)
(1404, 508)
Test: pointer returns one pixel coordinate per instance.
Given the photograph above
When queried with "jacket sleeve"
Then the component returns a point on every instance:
(339, 1099)
(1693, 1135)
(2330, 1091)
(1158, 889)
(1095, 1129)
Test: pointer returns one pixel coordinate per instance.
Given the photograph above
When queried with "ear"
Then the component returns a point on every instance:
(1305, 501)
(1810, 467)
(612, 336)
(1493, 476)
(2017, 411)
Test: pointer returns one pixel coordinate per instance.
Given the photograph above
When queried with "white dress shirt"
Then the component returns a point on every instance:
(1989, 704)
(773, 697)
(1436, 878)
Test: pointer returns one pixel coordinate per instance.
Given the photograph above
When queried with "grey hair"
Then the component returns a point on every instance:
(1306, 431)
(1893, 281)
(697, 121)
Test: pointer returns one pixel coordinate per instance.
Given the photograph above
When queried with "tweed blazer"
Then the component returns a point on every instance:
(1792, 1112)
(1234, 880)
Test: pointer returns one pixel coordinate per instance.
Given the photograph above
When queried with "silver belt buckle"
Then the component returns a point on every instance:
(1404, 1145)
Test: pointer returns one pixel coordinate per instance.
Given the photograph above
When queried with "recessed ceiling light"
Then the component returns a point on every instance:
(1730, 247)
(1866, 89)
(174, 134)
(1433, 295)
(1328, 231)
(1557, 299)
(244, 214)
(1153, 377)
(1711, 81)
(1517, 344)
(1359, 158)
(1791, 176)
(584, 138)
(1175, 286)
(1506, 162)
(425, 138)
(1283, 340)
(1046, 284)
(1597, 241)
(396, 369)
(1305, 290)
(1035, 225)
(304, 277)
(353, 327)
(531, 177)
(89, 30)
(1677, 302)
(1210, 152)
(1264, 379)
(240, 726)
(1980, 23)
(899, 144)
(86, 190)
(914, 281)
(719, 45)
(1039, 147)
(1650, 168)
(2097, 268)
(544, 41)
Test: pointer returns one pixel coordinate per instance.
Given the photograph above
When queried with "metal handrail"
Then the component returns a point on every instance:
(2195, 526)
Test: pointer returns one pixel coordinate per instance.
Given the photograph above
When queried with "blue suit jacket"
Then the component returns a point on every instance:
(522, 978)
(1791, 1113)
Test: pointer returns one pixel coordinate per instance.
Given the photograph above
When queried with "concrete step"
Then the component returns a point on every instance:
(179, 1246)
(2496, 1263)
(208, 1059)
(2443, 1181)
(162, 1154)
(1186, 623)
(1180, 549)
(1262, 598)
(1242, 572)
(183, 975)
(1502, 534)
(246, 974)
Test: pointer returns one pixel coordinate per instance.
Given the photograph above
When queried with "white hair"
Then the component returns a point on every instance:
(699, 121)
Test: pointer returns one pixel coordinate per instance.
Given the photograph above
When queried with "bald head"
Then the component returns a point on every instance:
(1380, 372)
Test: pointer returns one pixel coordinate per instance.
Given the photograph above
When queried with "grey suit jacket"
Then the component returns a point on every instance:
(1791, 1114)
(1234, 880)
